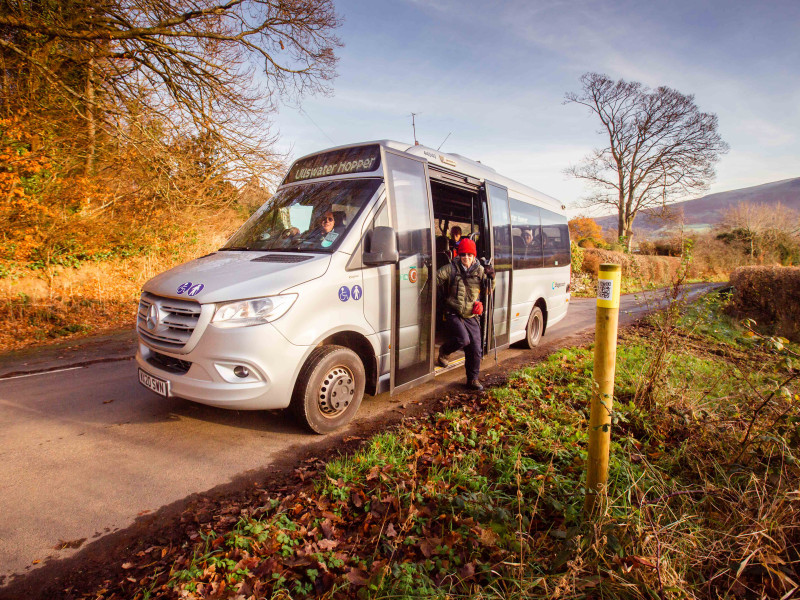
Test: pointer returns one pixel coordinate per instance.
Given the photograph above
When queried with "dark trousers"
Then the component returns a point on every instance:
(466, 334)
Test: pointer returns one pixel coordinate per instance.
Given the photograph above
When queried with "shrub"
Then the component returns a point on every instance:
(770, 296)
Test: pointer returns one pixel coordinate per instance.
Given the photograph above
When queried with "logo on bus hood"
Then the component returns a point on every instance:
(153, 317)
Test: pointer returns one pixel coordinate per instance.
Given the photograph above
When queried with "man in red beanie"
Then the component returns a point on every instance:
(460, 283)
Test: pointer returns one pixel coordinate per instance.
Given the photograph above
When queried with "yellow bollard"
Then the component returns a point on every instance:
(605, 358)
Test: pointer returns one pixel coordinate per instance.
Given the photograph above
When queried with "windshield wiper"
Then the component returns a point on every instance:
(242, 248)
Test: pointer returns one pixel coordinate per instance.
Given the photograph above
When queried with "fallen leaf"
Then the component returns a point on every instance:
(428, 547)
(357, 577)
(327, 528)
(639, 561)
(327, 544)
(390, 532)
(487, 537)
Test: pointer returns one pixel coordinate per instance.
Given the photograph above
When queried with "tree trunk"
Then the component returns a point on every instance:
(629, 237)
(91, 126)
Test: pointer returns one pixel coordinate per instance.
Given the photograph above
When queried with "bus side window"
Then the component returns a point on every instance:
(555, 236)
(526, 235)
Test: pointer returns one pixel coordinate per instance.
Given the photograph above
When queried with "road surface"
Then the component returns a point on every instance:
(85, 450)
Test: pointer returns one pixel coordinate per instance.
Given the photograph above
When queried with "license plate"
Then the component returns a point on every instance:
(159, 386)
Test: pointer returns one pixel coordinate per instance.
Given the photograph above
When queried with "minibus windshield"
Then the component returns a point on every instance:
(311, 217)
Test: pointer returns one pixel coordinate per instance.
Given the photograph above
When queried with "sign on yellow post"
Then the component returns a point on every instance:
(605, 360)
(608, 285)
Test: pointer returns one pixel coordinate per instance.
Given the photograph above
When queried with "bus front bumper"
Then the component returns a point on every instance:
(244, 368)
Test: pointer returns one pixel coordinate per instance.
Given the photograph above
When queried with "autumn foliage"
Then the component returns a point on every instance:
(582, 228)
(126, 133)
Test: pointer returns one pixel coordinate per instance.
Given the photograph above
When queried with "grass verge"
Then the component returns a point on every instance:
(483, 499)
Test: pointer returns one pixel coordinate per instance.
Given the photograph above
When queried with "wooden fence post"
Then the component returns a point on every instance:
(605, 358)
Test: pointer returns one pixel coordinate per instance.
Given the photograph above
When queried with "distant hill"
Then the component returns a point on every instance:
(704, 213)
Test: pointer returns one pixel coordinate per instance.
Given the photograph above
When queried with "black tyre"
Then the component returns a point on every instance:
(533, 332)
(329, 389)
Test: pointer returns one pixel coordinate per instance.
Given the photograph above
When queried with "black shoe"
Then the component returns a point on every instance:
(442, 360)
(475, 385)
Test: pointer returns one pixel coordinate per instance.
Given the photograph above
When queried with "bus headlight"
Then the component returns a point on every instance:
(245, 313)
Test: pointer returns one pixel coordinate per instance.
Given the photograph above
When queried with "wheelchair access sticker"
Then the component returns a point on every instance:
(345, 293)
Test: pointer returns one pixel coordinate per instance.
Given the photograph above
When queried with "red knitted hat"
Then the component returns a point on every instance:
(467, 246)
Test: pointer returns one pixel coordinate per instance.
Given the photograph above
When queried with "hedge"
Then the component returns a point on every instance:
(770, 296)
(659, 270)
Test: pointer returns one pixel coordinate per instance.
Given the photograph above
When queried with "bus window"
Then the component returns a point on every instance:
(526, 235)
(555, 239)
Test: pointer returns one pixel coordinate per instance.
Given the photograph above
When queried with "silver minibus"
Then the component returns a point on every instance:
(327, 292)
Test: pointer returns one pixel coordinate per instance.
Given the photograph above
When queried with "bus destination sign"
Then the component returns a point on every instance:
(363, 159)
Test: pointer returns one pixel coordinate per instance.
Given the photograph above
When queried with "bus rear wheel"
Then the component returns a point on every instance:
(533, 332)
(329, 389)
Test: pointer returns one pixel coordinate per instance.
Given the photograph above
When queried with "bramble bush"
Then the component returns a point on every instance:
(771, 296)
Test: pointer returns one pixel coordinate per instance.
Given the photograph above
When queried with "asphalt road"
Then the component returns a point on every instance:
(85, 450)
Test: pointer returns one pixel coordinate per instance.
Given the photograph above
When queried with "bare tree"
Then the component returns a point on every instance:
(660, 147)
(761, 227)
(209, 69)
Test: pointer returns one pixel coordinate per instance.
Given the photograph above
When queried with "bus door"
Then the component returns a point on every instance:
(409, 196)
(501, 255)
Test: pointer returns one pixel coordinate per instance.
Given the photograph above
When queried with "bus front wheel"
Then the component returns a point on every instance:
(329, 389)
(533, 332)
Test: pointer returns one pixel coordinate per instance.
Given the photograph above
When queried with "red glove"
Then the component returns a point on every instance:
(477, 308)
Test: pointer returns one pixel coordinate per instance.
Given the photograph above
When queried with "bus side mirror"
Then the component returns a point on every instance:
(380, 247)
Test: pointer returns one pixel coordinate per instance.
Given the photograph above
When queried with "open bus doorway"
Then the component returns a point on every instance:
(463, 206)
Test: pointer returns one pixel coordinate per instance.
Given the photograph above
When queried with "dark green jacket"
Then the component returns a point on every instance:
(465, 290)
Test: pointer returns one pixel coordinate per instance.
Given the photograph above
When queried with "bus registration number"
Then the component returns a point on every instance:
(159, 386)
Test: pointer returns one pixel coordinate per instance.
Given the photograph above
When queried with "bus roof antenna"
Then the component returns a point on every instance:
(414, 127)
(442, 144)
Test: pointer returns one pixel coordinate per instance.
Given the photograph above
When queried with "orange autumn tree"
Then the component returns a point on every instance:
(21, 210)
(582, 227)
(116, 117)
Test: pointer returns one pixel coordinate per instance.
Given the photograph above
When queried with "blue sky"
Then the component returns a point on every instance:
(494, 74)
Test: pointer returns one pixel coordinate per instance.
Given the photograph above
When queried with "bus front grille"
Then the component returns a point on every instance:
(166, 323)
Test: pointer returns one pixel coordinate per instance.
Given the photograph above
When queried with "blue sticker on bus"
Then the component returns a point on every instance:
(344, 293)
(196, 289)
(184, 286)
(356, 292)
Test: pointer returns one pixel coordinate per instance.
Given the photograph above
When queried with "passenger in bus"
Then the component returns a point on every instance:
(527, 238)
(531, 244)
(455, 237)
(460, 284)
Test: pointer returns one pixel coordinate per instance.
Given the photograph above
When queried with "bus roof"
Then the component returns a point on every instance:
(460, 164)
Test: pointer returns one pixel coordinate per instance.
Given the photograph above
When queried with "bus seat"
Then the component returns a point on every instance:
(339, 219)
(442, 251)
